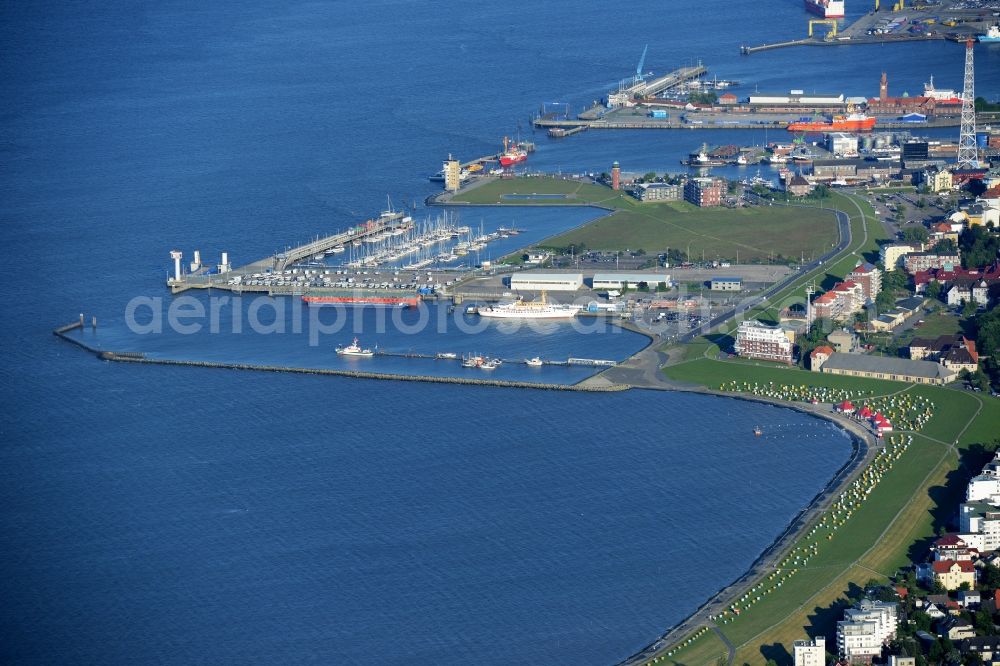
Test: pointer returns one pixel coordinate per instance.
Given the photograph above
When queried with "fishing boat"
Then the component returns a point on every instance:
(447, 355)
(354, 349)
(757, 431)
(534, 362)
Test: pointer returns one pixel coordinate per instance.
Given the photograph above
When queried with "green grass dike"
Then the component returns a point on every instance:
(884, 520)
(752, 234)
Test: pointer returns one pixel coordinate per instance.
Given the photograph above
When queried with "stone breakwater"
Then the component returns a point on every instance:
(137, 357)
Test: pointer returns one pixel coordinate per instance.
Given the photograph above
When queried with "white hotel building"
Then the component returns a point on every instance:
(758, 340)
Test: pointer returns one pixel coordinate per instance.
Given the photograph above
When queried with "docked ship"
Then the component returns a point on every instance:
(992, 35)
(358, 298)
(513, 153)
(946, 96)
(831, 9)
(540, 309)
(701, 159)
(354, 349)
(851, 122)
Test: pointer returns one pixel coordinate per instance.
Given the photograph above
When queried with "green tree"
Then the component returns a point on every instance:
(969, 308)
(915, 234)
(708, 97)
(984, 623)
(934, 290)
(979, 247)
(885, 300)
(945, 246)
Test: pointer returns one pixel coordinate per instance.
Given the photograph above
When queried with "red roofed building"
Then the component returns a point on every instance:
(819, 356)
(952, 574)
(841, 302)
(870, 279)
(952, 547)
(922, 278)
(846, 407)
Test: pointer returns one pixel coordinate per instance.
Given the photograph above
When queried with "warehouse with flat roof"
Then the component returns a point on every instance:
(630, 280)
(538, 281)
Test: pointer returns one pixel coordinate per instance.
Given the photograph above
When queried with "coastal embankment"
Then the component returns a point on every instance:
(138, 357)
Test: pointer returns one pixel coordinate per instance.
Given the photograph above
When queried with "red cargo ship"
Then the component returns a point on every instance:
(359, 299)
(852, 122)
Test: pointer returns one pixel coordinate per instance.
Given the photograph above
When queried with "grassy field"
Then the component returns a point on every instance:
(753, 234)
(712, 373)
(892, 527)
(578, 193)
(940, 323)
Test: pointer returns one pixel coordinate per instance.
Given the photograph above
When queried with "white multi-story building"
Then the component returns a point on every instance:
(980, 526)
(986, 486)
(865, 629)
(809, 653)
(755, 339)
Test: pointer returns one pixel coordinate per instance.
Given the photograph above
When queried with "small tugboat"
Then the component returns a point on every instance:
(354, 349)
(757, 432)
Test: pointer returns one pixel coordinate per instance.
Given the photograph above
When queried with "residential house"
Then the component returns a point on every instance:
(952, 574)
(843, 340)
(991, 274)
(987, 647)
(819, 356)
(937, 179)
(969, 598)
(798, 186)
(961, 358)
(938, 348)
(955, 628)
(952, 547)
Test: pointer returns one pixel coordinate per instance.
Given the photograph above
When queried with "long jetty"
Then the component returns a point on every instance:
(63, 332)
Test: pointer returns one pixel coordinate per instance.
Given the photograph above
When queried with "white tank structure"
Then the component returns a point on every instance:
(196, 262)
(177, 255)
(224, 267)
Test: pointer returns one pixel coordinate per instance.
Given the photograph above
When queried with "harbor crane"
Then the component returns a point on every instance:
(827, 22)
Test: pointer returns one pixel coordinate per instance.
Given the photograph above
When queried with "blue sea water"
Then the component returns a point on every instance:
(169, 515)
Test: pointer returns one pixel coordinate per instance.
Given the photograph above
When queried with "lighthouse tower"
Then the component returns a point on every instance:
(616, 176)
(177, 255)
